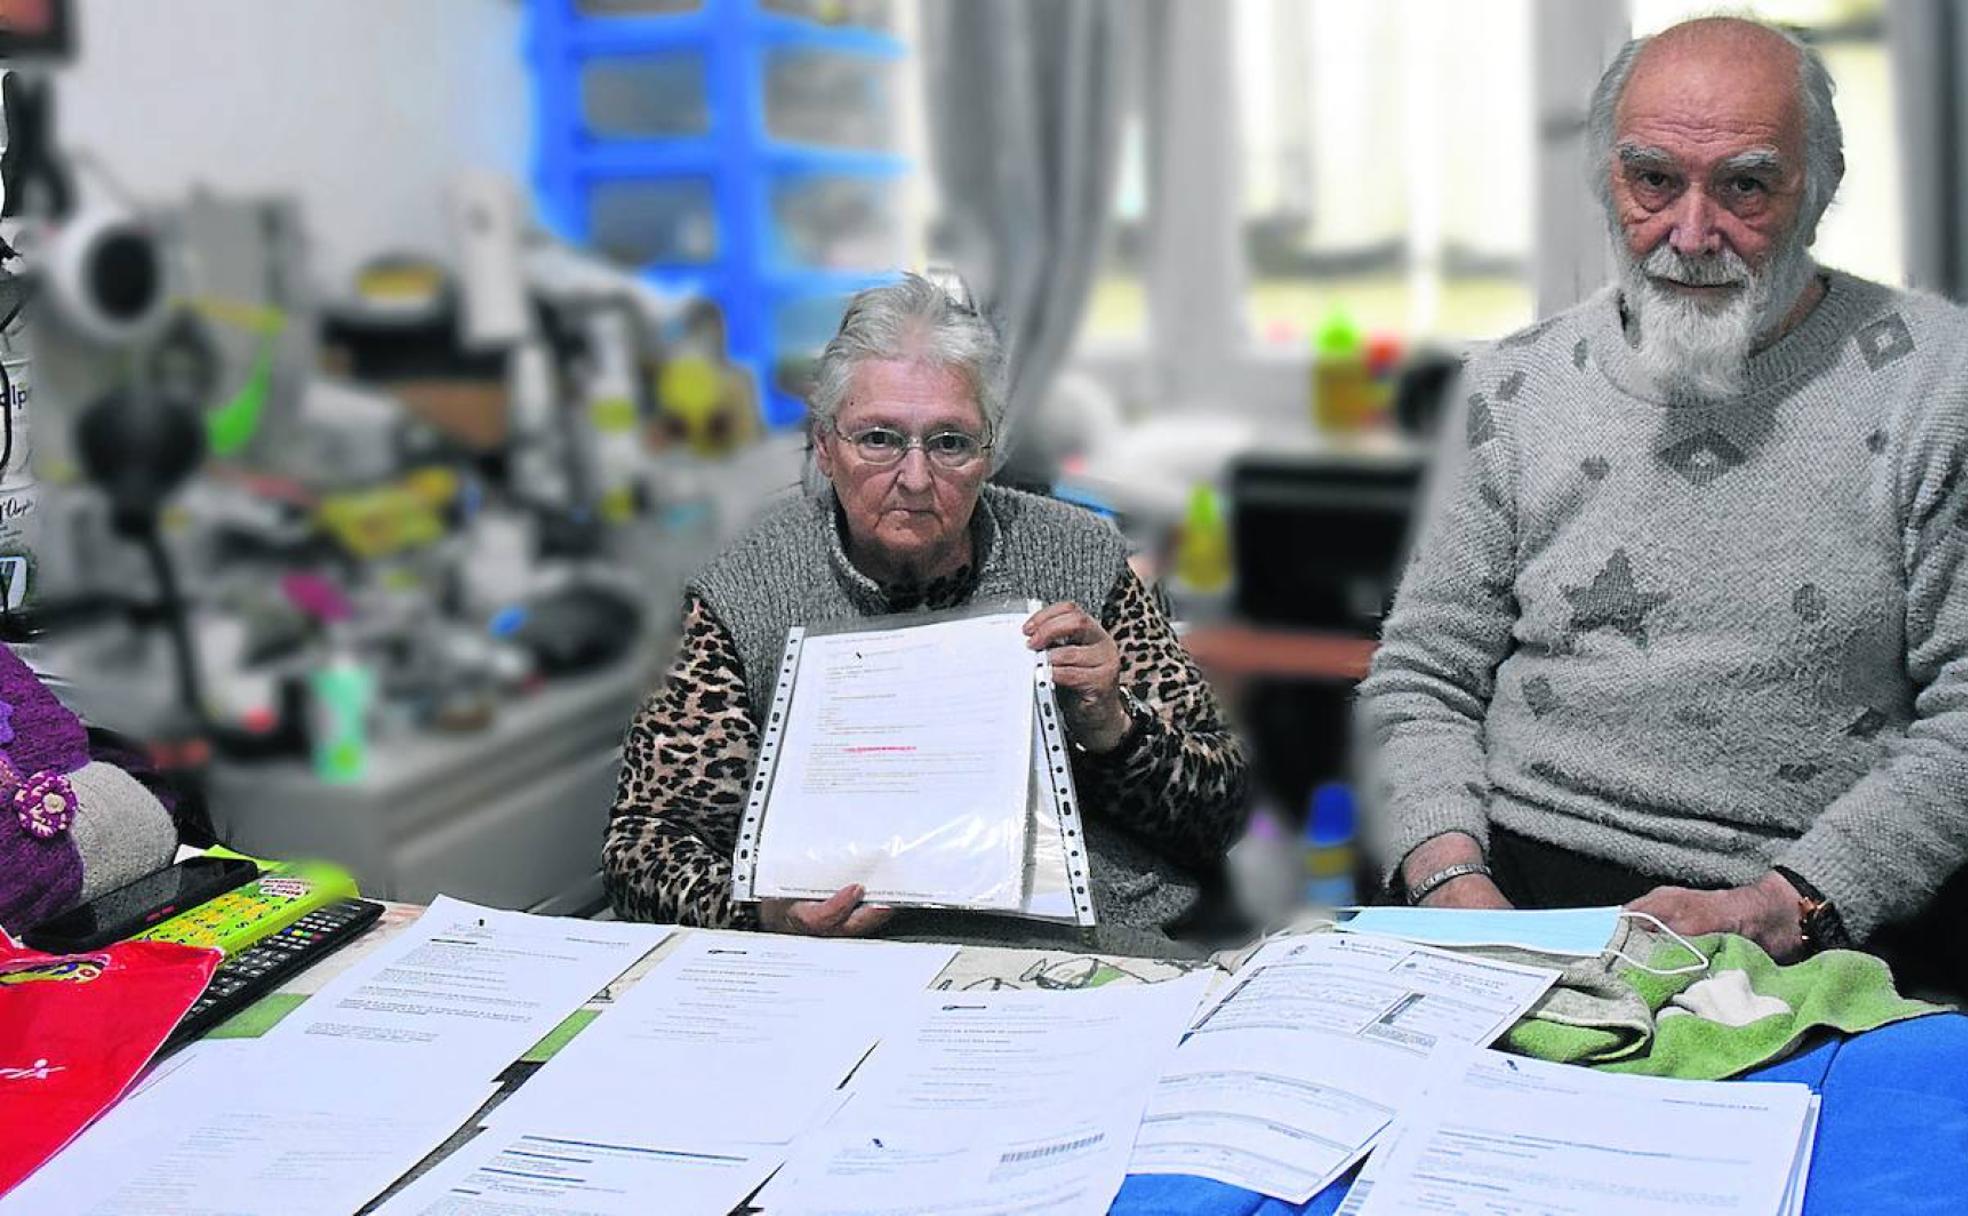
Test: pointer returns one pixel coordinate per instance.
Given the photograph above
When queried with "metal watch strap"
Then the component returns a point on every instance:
(1443, 877)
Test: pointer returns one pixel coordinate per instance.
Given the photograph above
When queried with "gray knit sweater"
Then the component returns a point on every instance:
(1696, 640)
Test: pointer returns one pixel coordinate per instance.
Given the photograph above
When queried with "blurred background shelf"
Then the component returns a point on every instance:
(743, 148)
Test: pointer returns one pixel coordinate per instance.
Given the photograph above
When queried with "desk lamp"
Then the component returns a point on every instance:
(138, 447)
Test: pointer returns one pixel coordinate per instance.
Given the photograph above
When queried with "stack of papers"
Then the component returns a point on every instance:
(691, 1087)
(353, 1089)
(1310, 1053)
(1503, 1136)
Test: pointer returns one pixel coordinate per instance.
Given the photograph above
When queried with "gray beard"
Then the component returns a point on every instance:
(1693, 350)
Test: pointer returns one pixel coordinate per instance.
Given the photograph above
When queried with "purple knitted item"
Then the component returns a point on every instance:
(38, 878)
(46, 735)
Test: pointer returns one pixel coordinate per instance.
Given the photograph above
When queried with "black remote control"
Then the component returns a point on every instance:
(260, 967)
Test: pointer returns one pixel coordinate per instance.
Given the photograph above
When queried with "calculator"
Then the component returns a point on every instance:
(247, 976)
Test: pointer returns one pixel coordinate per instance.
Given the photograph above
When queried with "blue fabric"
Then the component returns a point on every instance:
(1892, 1135)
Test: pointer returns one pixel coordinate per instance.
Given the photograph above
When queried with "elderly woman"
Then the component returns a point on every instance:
(906, 407)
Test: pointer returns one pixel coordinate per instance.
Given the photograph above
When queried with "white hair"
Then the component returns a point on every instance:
(1824, 139)
(914, 320)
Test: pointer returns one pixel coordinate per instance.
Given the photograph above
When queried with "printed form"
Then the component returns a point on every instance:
(1505, 1136)
(993, 1104)
(1311, 1051)
(923, 736)
(734, 1038)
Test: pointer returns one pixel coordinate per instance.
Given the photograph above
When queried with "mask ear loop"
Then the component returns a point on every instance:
(1689, 969)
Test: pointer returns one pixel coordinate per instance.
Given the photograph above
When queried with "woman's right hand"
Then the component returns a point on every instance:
(841, 914)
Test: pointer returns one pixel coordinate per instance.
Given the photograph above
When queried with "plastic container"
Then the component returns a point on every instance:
(340, 694)
(646, 97)
(661, 220)
(1330, 856)
(1264, 870)
(825, 222)
(862, 14)
(635, 8)
(830, 99)
(1343, 390)
(1202, 553)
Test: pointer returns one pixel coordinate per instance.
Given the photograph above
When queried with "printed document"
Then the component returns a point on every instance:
(993, 1102)
(463, 991)
(734, 1037)
(1310, 1052)
(251, 1133)
(503, 1173)
(905, 767)
(1506, 1136)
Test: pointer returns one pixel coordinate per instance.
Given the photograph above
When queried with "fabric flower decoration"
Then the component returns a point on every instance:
(45, 804)
(6, 723)
(10, 777)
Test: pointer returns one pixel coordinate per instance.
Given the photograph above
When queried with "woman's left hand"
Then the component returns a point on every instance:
(1086, 668)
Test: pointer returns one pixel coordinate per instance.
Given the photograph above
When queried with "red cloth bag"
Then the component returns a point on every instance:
(75, 1030)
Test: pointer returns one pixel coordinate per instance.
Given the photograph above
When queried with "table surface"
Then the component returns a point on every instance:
(1892, 1139)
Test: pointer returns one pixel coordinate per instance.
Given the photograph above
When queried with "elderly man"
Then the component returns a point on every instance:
(1686, 626)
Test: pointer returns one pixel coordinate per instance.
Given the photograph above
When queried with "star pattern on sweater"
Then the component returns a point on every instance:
(1481, 428)
(1885, 341)
(1612, 600)
(1703, 458)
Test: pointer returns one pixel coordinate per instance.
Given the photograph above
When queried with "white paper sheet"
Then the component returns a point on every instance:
(464, 991)
(1309, 1053)
(504, 1173)
(1506, 1136)
(734, 1037)
(989, 1103)
(250, 1133)
(922, 737)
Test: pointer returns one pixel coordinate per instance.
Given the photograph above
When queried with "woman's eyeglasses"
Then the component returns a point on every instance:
(883, 446)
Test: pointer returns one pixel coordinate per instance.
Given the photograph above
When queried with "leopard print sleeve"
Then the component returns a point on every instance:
(685, 762)
(1181, 780)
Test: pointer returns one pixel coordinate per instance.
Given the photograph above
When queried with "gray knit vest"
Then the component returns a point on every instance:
(790, 569)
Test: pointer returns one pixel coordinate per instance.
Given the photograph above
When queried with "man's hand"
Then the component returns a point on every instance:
(1438, 853)
(1469, 891)
(840, 915)
(1086, 667)
(1765, 912)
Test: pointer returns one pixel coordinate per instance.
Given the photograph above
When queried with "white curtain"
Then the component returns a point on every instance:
(1929, 40)
(1026, 100)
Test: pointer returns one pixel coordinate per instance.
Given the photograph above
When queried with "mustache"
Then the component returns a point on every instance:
(1721, 269)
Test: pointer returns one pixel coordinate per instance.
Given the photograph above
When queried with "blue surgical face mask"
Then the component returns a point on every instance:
(1575, 932)
(1584, 932)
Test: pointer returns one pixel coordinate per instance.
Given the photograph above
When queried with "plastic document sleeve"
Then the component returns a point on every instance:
(924, 758)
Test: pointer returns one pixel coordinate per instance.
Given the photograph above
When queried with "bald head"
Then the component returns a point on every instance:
(1716, 82)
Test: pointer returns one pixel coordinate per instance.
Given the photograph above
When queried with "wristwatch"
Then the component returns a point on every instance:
(1818, 922)
(1139, 717)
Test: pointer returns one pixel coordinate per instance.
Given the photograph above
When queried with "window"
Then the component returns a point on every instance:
(1862, 231)
(1387, 153)
(1117, 306)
